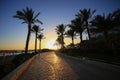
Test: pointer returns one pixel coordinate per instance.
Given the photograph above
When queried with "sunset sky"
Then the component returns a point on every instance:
(53, 12)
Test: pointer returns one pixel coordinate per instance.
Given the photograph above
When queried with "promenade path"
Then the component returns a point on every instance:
(52, 66)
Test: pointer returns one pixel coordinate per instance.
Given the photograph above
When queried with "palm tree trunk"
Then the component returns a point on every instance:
(81, 37)
(28, 38)
(88, 31)
(35, 41)
(72, 40)
(40, 45)
(62, 41)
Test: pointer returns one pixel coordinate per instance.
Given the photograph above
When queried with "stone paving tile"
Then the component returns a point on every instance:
(62, 69)
(48, 66)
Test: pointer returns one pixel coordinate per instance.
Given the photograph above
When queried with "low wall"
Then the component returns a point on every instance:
(19, 70)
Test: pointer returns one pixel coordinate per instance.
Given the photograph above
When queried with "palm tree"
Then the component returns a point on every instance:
(36, 30)
(40, 37)
(60, 29)
(71, 33)
(103, 24)
(86, 15)
(59, 42)
(78, 26)
(28, 17)
(116, 15)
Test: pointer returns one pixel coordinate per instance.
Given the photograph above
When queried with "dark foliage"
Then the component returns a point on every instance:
(97, 49)
(6, 68)
(19, 59)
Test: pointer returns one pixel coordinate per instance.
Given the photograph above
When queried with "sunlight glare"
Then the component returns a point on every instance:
(50, 44)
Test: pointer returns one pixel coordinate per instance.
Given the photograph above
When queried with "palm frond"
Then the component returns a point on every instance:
(36, 15)
(38, 21)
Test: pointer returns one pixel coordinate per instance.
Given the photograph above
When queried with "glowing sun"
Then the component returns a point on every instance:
(50, 44)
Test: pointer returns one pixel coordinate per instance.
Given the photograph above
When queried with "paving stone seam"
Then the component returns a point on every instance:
(51, 66)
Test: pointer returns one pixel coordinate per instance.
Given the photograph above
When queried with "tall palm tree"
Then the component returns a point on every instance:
(78, 26)
(28, 17)
(103, 24)
(86, 15)
(71, 33)
(59, 42)
(40, 37)
(60, 29)
(35, 28)
(116, 15)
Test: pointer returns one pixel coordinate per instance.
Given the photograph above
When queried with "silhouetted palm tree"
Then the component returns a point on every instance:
(86, 15)
(103, 24)
(71, 33)
(27, 15)
(60, 29)
(116, 15)
(35, 28)
(78, 26)
(59, 42)
(40, 37)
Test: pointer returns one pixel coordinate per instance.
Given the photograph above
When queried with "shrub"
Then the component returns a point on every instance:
(6, 68)
(19, 59)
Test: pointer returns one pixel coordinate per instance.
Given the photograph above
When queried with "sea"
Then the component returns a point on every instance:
(15, 53)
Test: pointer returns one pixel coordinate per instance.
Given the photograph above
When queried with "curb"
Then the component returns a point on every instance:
(19, 70)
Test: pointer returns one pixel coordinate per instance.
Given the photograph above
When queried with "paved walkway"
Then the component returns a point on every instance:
(48, 66)
(51, 66)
